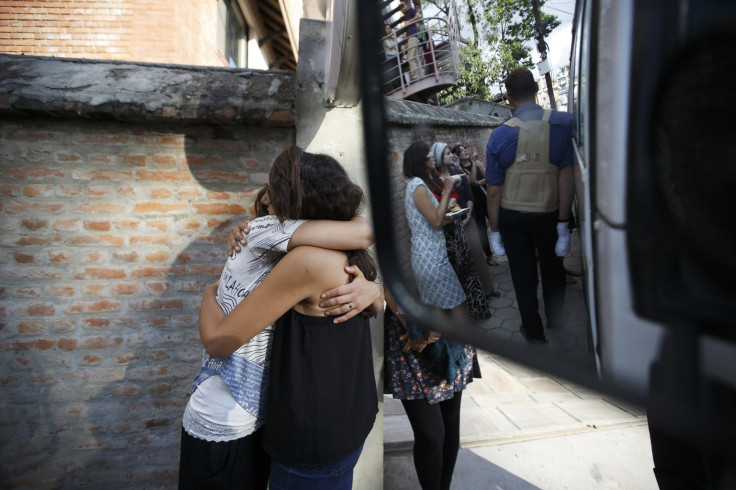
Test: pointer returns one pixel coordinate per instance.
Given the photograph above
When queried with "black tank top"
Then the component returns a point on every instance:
(322, 399)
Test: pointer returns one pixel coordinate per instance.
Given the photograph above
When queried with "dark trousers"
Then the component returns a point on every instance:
(241, 463)
(436, 439)
(480, 212)
(524, 236)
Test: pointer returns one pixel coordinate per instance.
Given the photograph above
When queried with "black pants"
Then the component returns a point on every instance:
(241, 463)
(524, 235)
(436, 439)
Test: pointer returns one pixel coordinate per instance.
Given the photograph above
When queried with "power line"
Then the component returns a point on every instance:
(559, 10)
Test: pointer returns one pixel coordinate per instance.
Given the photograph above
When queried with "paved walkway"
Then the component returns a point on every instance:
(513, 404)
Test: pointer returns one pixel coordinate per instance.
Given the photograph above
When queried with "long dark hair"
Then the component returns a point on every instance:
(315, 186)
(415, 165)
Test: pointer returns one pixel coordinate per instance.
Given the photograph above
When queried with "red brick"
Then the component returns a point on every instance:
(189, 193)
(27, 292)
(96, 240)
(97, 225)
(65, 224)
(56, 291)
(67, 157)
(161, 193)
(156, 304)
(137, 160)
(93, 257)
(9, 189)
(38, 190)
(159, 207)
(127, 289)
(102, 139)
(218, 208)
(101, 207)
(46, 207)
(212, 269)
(160, 256)
(126, 192)
(93, 307)
(154, 239)
(40, 310)
(126, 256)
(166, 160)
(164, 175)
(194, 161)
(100, 273)
(252, 163)
(115, 175)
(99, 190)
(96, 322)
(159, 224)
(22, 258)
(91, 360)
(127, 224)
(34, 224)
(221, 177)
(159, 287)
(221, 196)
(95, 289)
(69, 190)
(18, 346)
(30, 326)
(59, 257)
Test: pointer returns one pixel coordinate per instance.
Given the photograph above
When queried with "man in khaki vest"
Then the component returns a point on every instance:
(530, 186)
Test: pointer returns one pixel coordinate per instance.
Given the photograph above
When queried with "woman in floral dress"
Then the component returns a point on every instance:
(425, 371)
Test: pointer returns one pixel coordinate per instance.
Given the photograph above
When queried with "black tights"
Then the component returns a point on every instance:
(436, 439)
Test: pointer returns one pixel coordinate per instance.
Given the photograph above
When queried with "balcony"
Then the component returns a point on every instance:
(435, 64)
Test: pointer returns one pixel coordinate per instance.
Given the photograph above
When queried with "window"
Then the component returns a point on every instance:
(232, 33)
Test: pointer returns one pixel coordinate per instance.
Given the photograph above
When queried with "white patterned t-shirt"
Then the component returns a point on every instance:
(240, 409)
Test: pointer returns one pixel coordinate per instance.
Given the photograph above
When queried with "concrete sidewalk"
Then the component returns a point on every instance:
(523, 428)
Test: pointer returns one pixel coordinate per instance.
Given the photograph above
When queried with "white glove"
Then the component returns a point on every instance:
(562, 247)
(497, 244)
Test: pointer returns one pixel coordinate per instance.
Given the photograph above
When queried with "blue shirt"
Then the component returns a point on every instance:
(408, 16)
(501, 148)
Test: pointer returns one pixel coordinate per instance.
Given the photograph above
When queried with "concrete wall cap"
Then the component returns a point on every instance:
(64, 87)
(405, 112)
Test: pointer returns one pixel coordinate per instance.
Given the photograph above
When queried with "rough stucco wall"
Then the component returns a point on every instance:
(113, 215)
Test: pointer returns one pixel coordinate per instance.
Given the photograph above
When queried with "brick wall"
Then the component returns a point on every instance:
(155, 31)
(113, 215)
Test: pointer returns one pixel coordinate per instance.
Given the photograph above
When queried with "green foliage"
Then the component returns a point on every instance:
(474, 75)
(506, 36)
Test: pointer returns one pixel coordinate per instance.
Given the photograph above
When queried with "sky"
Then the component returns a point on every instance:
(560, 40)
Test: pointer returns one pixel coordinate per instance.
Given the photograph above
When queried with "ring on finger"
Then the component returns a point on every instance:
(350, 307)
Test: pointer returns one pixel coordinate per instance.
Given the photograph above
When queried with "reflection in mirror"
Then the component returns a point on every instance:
(411, 122)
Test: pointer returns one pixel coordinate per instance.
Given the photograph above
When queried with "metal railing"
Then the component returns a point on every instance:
(428, 68)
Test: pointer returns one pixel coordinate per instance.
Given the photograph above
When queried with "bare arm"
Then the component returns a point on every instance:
(356, 234)
(435, 216)
(566, 192)
(298, 275)
(494, 203)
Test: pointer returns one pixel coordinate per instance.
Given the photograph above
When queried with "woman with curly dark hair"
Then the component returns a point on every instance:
(323, 402)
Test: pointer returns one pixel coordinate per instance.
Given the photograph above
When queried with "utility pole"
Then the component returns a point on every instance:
(542, 48)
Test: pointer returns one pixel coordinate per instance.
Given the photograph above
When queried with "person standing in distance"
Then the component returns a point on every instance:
(529, 178)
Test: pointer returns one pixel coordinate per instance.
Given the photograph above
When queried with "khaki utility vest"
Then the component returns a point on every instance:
(531, 182)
